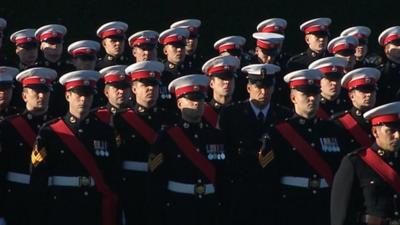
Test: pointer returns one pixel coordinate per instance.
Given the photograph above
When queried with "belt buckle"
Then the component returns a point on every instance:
(200, 189)
(84, 181)
(314, 183)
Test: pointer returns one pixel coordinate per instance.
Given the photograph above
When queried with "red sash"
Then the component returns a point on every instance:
(322, 114)
(210, 115)
(186, 146)
(104, 115)
(24, 129)
(306, 151)
(109, 199)
(355, 130)
(384, 170)
(140, 126)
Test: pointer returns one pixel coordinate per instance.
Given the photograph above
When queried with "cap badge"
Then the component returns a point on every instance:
(310, 82)
(119, 31)
(152, 74)
(29, 39)
(323, 27)
(367, 80)
(334, 69)
(276, 27)
(121, 77)
(86, 82)
(191, 29)
(196, 88)
(180, 37)
(226, 67)
(237, 46)
(54, 33)
(42, 80)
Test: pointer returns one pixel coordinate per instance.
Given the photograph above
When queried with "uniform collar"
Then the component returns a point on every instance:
(29, 116)
(74, 122)
(187, 125)
(303, 121)
(257, 110)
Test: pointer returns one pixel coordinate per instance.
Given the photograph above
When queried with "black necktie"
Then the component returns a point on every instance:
(260, 116)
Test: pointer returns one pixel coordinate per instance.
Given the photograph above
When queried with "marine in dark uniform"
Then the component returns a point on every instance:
(51, 38)
(316, 36)
(366, 187)
(26, 48)
(389, 85)
(137, 129)
(174, 42)
(18, 134)
(334, 98)
(193, 60)
(361, 84)
(187, 161)
(249, 196)
(307, 151)
(75, 165)
(112, 36)
(7, 75)
(144, 45)
(222, 71)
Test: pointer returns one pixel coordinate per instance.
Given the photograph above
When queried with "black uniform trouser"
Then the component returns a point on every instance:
(186, 209)
(16, 203)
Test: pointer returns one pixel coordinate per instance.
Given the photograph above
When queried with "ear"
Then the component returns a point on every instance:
(374, 131)
(248, 88)
(105, 91)
(103, 43)
(179, 103)
(42, 46)
(212, 83)
(134, 51)
(24, 96)
(67, 95)
(133, 88)
(307, 38)
(351, 95)
(292, 97)
(165, 50)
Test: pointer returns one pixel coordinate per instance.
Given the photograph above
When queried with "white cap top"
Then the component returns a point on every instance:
(7, 74)
(84, 47)
(388, 35)
(173, 35)
(273, 25)
(114, 28)
(187, 23)
(143, 37)
(304, 74)
(189, 83)
(231, 42)
(315, 25)
(359, 32)
(387, 113)
(261, 69)
(342, 43)
(37, 75)
(23, 36)
(329, 64)
(50, 31)
(221, 64)
(360, 77)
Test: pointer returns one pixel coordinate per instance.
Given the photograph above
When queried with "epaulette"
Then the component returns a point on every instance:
(339, 114)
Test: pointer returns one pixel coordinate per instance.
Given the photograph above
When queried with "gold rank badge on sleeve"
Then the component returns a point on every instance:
(155, 161)
(265, 157)
(38, 155)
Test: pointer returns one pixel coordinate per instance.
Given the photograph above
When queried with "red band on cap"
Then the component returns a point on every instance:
(172, 38)
(110, 78)
(314, 28)
(391, 38)
(83, 51)
(194, 88)
(359, 82)
(304, 82)
(360, 36)
(341, 47)
(385, 119)
(272, 29)
(35, 80)
(78, 83)
(142, 40)
(332, 69)
(144, 75)
(51, 34)
(24, 40)
(111, 32)
(224, 48)
(219, 69)
(266, 45)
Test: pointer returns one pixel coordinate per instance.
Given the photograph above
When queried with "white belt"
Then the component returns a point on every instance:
(20, 178)
(71, 181)
(135, 166)
(193, 189)
(304, 182)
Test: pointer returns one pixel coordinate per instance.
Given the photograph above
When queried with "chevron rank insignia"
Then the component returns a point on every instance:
(38, 155)
(265, 158)
(155, 161)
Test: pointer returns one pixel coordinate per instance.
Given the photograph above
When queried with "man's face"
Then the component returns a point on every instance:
(330, 88)
(222, 87)
(114, 46)
(5, 97)
(259, 95)
(27, 56)
(387, 138)
(117, 96)
(191, 45)
(317, 43)
(78, 102)
(84, 64)
(145, 54)
(361, 52)
(175, 53)
(363, 100)
(145, 94)
(263, 57)
(51, 50)
(350, 58)
(305, 103)
(192, 109)
(36, 100)
(393, 52)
